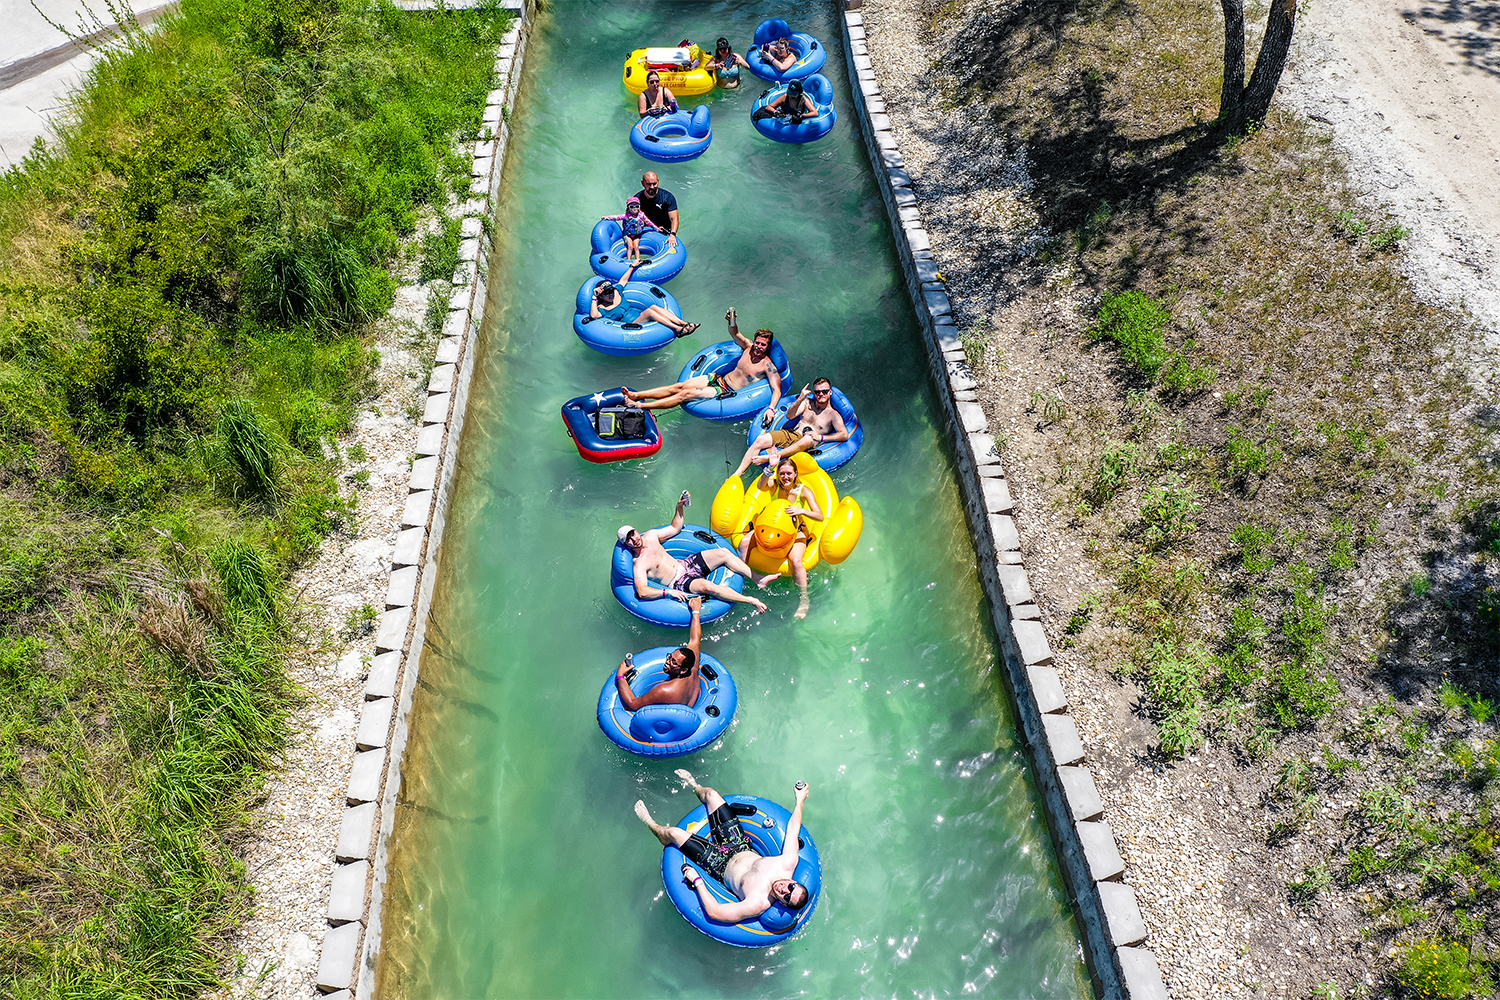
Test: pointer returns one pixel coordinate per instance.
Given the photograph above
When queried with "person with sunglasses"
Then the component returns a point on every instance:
(808, 425)
(659, 204)
(655, 99)
(731, 859)
(726, 65)
(680, 578)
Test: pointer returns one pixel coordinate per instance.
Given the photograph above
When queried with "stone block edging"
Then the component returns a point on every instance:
(351, 944)
(1105, 906)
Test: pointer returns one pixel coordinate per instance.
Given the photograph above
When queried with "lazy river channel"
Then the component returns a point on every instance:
(518, 868)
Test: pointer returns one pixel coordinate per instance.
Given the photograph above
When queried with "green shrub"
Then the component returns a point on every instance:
(440, 250)
(1175, 679)
(1438, 968)
(1117, 465)
(248, 448)
(1254, 543)
(1136, 322)
(1167, 510)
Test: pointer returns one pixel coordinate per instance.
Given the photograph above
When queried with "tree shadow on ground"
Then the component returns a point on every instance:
(1469, 27)
(1087, 159)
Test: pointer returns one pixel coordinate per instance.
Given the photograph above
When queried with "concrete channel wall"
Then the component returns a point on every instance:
(351, 946)
(1114, 934)
(1113, 931)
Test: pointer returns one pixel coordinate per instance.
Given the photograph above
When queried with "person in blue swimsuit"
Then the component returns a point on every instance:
(726, 65)
(608, 303)
(633, 224)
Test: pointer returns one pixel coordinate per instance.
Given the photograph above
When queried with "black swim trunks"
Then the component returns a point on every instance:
(728, 840)
(693, 568)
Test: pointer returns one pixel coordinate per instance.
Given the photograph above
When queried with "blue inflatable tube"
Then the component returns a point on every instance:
(766, 830)
(669, 611)
(809, 51)
(610, 260)
(608, 336)
(718, 359)
(668, 730)
(808, 129)
(673, 137)
(578, 418)
(828, 456)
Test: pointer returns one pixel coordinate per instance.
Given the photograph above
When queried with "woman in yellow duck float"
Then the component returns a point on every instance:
(791, 518)
(683, 69)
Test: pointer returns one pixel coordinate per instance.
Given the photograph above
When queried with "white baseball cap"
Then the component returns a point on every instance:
(624, 533)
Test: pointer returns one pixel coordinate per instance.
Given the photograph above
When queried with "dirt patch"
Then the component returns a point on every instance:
(1255, 482)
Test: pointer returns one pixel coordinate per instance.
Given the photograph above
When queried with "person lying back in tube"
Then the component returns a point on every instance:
(793, 104)
(779, 54)
(608, 303)
(810, 426)
(728, 856)
(682, 665)
(683, 577)
(754, 364)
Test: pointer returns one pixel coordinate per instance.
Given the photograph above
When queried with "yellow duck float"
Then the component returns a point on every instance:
(736, 512)
(681, 69)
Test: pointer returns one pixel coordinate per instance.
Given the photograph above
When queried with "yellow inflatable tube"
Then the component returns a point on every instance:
(735, 512)
(681, 82)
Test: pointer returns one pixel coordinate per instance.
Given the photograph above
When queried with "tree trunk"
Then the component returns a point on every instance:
(1234, 62)
(1270, 61)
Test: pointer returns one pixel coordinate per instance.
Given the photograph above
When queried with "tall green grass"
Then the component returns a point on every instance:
(186, 283)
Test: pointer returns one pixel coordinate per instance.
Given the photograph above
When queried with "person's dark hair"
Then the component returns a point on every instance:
(822, 380)
(770, 337)
(689, 658)
(723, 43)
(794, 89)
(651, 74)
(795, 901)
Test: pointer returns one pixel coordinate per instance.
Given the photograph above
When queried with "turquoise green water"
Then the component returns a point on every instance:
(518, 868)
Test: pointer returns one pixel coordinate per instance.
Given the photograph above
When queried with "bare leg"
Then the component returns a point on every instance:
(799, 573)
(668, 835)
(757, 446)
(701, 586)
(660, 315)
(710, 798)
(714, 558)
(658, 393)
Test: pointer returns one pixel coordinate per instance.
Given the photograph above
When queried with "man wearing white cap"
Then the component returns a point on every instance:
(681, 576)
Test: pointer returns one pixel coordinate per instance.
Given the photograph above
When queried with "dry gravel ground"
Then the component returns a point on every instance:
(290, 860)
(1192, 832)
(1412, 93)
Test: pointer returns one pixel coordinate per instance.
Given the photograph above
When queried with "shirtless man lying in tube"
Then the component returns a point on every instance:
(811, 425)
(754, 364)
(682, 577)
(728, 856)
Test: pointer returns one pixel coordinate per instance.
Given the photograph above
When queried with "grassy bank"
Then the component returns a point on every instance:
(1281, 465)
(186, 286)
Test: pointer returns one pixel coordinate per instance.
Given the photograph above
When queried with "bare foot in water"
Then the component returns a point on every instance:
(763, 581)
(687, 778)
(656, 828)
(801, 608)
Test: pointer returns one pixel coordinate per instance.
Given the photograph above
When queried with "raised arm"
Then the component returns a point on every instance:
(798, 405)
(677, 515)
(695, 634)
(794, 830)
(733, 320)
